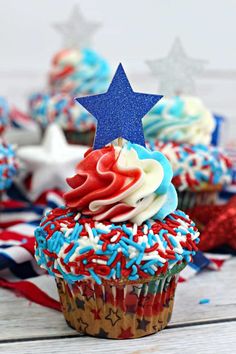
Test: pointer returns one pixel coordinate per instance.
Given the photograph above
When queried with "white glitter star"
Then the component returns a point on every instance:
(51, 162)
(76, 32)
(176, 71)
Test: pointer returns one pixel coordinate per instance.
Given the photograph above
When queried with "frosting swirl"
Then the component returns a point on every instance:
(8, 165)
(120, 184)
(78, 72)
(62, 109)
(180, 119)
(196, 166)
(4, 114)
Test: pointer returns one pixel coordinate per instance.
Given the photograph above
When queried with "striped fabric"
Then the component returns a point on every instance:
(18, 269)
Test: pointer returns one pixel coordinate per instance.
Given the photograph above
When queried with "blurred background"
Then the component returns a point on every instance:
(132, 32)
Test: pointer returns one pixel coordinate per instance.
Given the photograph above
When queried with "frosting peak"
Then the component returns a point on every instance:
(181, 119)
(123, 183)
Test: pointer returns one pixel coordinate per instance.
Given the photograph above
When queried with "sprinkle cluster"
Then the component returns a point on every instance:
(8, 165)
(196, 166)
(62, 109)
(74, 247)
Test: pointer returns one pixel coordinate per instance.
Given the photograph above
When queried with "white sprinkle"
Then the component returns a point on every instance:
(63, 229)
(115, 237)
(89, 231)
(135, 229)
(101, 226)
(63, 224)
(68, 232)
(77, 216)
(99, 261)
(145, 229)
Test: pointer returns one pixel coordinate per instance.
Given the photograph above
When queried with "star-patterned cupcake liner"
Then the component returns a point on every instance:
(118, 311)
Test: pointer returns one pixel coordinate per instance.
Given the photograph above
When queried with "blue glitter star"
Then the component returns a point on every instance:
(119, 111)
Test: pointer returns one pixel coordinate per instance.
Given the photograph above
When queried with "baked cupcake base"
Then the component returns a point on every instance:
(118, 311)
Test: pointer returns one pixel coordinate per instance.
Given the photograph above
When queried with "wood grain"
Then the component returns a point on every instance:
(20, 319)
(211, 339)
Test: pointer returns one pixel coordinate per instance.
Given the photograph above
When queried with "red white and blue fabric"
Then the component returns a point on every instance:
(18, 268)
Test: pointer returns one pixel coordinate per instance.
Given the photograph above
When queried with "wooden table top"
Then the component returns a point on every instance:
(27, 328)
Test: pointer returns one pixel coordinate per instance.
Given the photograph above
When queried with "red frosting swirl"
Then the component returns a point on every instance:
(98, 177)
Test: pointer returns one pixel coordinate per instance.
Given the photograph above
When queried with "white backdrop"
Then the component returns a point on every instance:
(133, 31)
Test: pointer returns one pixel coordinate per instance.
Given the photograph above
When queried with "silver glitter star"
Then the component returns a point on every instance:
(76, 32)
(176, 71)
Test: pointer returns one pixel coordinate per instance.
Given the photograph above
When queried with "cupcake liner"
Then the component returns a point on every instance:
(189, 199)
(118, 311)
(81, 138)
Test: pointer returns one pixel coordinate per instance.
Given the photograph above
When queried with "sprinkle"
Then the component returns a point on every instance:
(95, 277)
(204, 301)
(77, 216)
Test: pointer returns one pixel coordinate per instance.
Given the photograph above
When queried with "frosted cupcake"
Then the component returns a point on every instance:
(118, 245)
(73, 72)
(4, 114)
(8, 166)
(181, 128)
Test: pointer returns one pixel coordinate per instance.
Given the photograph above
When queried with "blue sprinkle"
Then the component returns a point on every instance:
(70, 253)
(173, 241)
(140, 257)
(133, 277)
(127, 231)
(134, 270)
(150, 242)
(204, 301)
(130, 263)
(95, 277)
(52, 227)
(101, 231)
(112, 272)
(132, 243)
(112, 258)
(118, 272)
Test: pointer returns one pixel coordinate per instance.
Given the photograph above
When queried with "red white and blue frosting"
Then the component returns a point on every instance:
(119, 221)
(73, 72)
(8, 165)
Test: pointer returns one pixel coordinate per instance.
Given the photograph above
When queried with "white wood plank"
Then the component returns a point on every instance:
(21, 319)
(210, 339)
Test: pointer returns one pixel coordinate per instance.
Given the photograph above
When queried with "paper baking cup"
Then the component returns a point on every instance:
(118, 311)
(188, 199)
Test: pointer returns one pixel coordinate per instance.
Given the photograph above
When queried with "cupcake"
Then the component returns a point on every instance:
(73, 72)
(118, 244)
(181, 128)
(4, 114)
(200, 172)
(8, 166)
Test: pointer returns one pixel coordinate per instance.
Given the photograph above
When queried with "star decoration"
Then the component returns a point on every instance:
(82, 325)
(131, 308)
(102, 333)
(113, 316)
(51, 162)
(142, 324)
(126, 333)
(77, 32)
(119, 111)
(96, 314)
(176, 72)
(79, 303)
(88, 292)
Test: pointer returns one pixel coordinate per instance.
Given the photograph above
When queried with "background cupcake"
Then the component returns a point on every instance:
(8, 166)
(181, 127)
(4, 114)
(76, 70)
